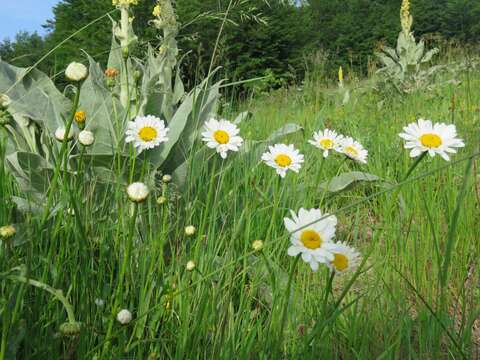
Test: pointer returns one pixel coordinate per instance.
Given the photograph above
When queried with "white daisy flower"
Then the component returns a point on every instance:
(353, 149)
(345, 258)
(222, 135)
(137, 192)
(314, 239)
(146, 132)
(326, 140)
(283, 158)
(438, 138)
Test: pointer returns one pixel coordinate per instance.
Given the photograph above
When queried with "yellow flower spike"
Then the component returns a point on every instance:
(340, 75)
(157, 10)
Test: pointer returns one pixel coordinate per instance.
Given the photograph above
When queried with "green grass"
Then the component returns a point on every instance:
(231, 305)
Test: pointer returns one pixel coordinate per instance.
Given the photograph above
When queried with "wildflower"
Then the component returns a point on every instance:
(345, 258)
(76, 72)
(311, 236)
(124, 3)
(146, 132)
(190, 230)
(405, 17)
(162, 200)
(86, 138)
(157, 10)
(99, 302)
(124, 317)
(167, 178)
(257, 245)
(222, 135)
(353, 150)
(60, 134)
(4, 101)
(340, 76)
(70, 212)
(7, 232)
(111, 73)
(137, 192)
(326, 140)
(190, 265)
(80, 117)
(438, 138)
(283, 158)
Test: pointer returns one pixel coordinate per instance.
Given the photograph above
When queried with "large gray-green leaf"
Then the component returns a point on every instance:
(34, 95)
(345, 180)
(105, 115)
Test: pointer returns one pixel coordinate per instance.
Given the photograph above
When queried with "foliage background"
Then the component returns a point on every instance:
(274, 37)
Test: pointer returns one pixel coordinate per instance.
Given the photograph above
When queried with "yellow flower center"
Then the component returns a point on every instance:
(431, 141)
(326, 144)
(147, 133)
(80, 116)
(340, 262)
(351, 151)
(283, 160)
(221, 136)
(311, 239)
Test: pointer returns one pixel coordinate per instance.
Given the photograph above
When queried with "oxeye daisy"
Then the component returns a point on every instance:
(353, 150)
(146, 132)
(283, 158)
(345, 258)
(311, 236)
(438, 138)
(222, 135)
(326, 140)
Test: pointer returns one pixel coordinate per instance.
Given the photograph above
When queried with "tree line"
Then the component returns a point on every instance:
(260, 37)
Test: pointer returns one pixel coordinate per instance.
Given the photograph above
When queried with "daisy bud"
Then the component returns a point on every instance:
(124, 317)
(71, 329)
(86, 138)
(257, 245)
(137, 192)
(7, 232)
(4, 101)
(60, 134)
(162, 200)
(190, 230)
(76, 72)
(99, 302)
(166, 178)
(190, 265)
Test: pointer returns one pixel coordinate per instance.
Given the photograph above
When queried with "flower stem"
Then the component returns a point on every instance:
(287, 301)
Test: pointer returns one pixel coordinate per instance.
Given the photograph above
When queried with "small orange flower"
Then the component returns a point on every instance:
(111, 73)
(80, 117)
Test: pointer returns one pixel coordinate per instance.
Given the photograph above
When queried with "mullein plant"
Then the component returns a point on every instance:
(406, 66)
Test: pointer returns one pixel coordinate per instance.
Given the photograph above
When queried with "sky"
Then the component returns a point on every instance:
(24, 15)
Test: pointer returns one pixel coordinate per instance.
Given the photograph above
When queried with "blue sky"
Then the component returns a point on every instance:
(29, 15)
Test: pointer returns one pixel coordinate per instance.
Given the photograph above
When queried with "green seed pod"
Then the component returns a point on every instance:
(70, 329)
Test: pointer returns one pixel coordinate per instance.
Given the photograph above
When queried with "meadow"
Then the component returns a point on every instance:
(197, 266)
